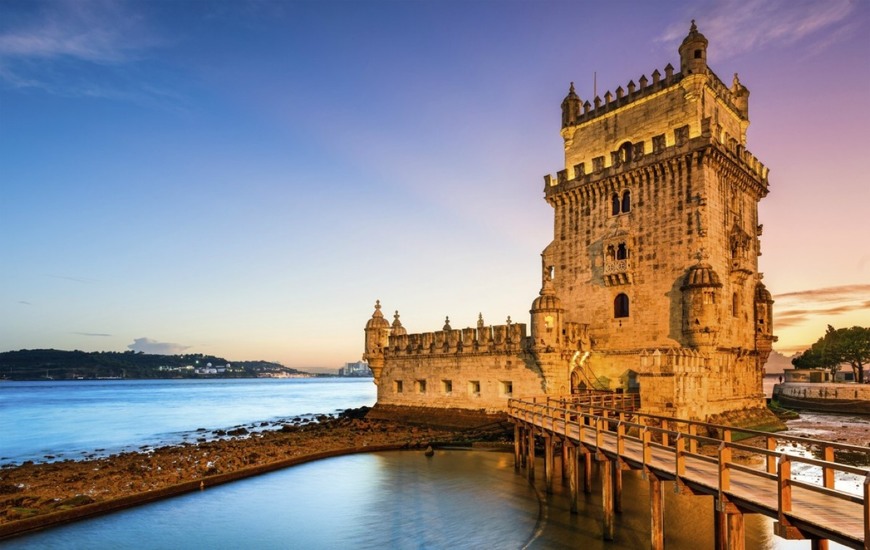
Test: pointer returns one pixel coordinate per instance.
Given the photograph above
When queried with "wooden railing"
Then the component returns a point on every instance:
(611, 425)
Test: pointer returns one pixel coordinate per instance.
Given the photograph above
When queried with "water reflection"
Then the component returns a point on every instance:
(456, 499)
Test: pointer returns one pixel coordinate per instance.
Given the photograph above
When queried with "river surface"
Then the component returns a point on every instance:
(56, 420)
(456, 499)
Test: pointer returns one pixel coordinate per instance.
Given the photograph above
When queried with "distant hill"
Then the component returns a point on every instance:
(777, 362)
(51, 364)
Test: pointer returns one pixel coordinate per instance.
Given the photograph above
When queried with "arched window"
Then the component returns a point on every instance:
(621, 252)
(620, 306)
(626, 202)
(735, 304)
(615, 204)
(611, 252)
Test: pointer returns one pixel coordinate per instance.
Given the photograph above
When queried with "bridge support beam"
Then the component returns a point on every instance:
(607, 485)
(819, 544)
(587, 471)
(573, 473)
(656, 513)
(549, 461)
(565, 460)
(730, 528)
(530, 461)
(617, 485)
(518, 446)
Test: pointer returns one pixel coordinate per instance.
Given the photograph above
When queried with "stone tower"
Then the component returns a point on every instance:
(651, 282)
(656, 240)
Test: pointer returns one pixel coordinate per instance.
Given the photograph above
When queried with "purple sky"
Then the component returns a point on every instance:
(245, 178)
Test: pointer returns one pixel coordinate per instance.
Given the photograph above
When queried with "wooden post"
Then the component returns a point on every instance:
(720, 527)
(736, 530)
(565, 458)
(518, 436)
(587, 471)
(693, 441)
(819, 544)
(530, 450)
(607, 497)
(771, 459)
(827, 471)
(617, 486)
(549, 462)
(784, 487)
(573, 475)
(867, 508)
(656, 512)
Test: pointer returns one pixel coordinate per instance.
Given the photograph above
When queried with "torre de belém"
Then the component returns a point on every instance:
(651, 281)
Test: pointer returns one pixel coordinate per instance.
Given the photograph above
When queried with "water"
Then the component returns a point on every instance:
(457, 499)
(72, 419)
(402, 500)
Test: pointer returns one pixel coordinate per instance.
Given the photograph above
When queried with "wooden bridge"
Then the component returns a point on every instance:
(751, 476)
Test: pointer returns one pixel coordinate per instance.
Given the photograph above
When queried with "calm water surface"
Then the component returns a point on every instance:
(403, 500)
(71, 419)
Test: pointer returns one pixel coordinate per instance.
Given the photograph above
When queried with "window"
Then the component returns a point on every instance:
(474, 387)
(620, 206)
(625, 151)
(447, 386)
(709, 297)
(507, 388)
(697, 54)
(621, 252)
(620, 306)
(398, 386)
(421, 386)
(735, 304)
(611, 252)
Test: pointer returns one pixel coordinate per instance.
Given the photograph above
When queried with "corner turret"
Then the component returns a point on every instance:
(570, 107)
(693, 52)
(741, 97)
(701, 298)
(546, 319)
(377, 339)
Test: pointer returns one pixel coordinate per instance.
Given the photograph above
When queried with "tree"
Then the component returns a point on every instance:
(838, 346)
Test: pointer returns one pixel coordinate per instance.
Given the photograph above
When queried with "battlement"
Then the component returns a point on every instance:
(655, 150)
(483, 339)
(644, 89)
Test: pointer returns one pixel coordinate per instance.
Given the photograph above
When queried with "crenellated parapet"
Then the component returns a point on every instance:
(673, 360)
(507, 338)
(646, 155)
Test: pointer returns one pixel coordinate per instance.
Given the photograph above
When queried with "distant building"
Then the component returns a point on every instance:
(360, 368)
(651, 281)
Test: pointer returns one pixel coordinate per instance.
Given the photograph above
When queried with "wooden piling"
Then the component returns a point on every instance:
(657, 513)
(549, 462)
(607, 484)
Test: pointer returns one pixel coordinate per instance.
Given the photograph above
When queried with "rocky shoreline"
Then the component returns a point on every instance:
(34, 496)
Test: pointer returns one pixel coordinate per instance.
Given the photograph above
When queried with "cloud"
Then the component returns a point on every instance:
(24, 302)
(80, 49)
(147, 345)
(741, 27)
(99, 334)
(796, 308)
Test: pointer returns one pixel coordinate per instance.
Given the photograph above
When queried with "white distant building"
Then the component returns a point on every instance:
(360, 368)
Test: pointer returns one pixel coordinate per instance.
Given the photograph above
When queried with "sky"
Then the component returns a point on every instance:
(245, 179)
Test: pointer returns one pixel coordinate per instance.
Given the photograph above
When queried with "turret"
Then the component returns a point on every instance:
(377, 338)
(693, 52)
(546, 315)
(740, 97)
(763, 312)
(570, 107)
(701, 297)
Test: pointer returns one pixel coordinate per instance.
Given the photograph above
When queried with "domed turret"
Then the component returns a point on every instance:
(693, 52)
(701, 298)
(570, 107)
(763, 313)
(397, 328)
(740, 96)
(546, 318)
(377, 339)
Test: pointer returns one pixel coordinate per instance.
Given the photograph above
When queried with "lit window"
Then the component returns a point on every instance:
(620, 306)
